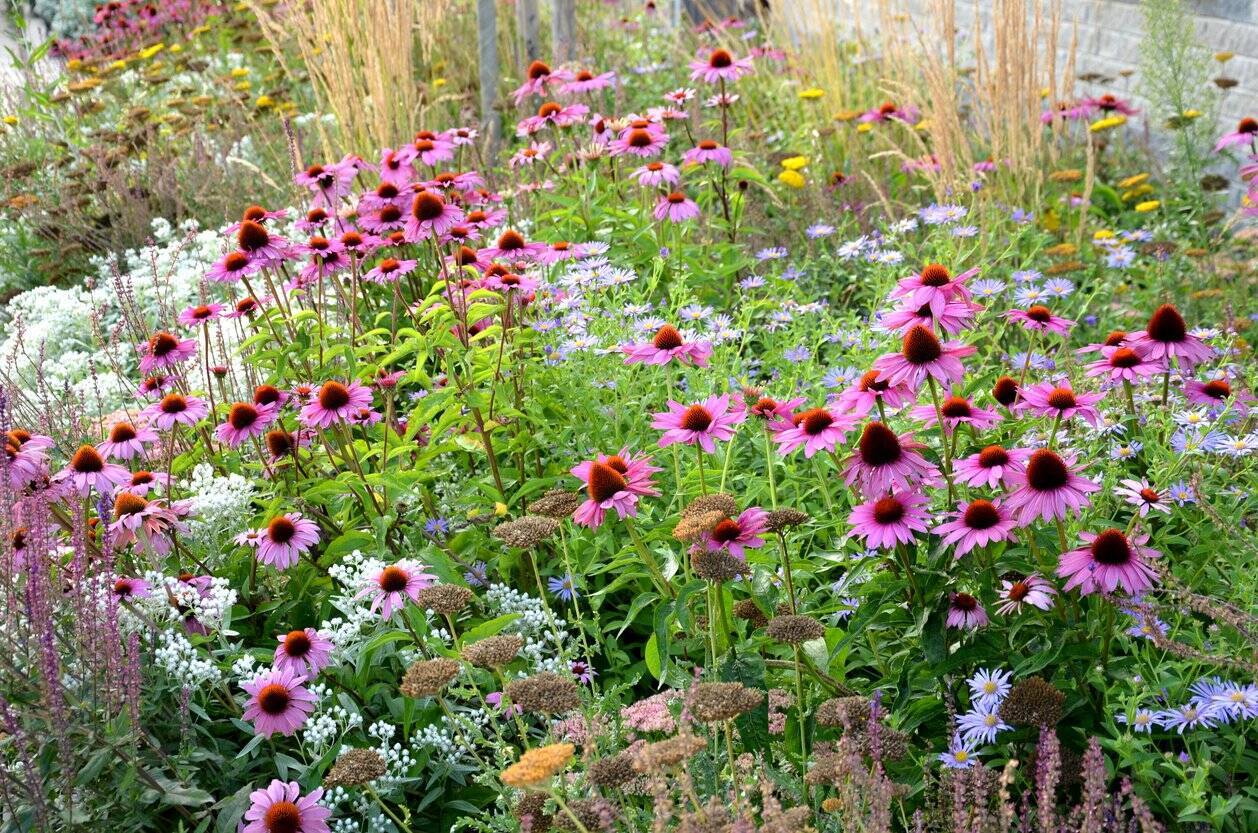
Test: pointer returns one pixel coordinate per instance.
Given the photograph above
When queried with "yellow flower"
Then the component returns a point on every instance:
(438, 82)
(1139, 191)
(176, 47)
(10, 120)
(1224, 57)
(264, 101)
(846, 115)
(864, 127)
(1132, 181)
(200, 30)
(1147, 206)
(1103, 234)
(1045, 92)
(1192, 114)
(1108, 123)
(500, 509)
(149, 52)
(240, 72)
(1061, 250)
(242, 86)
(812, 93)
(794, 163)
(792, 178)
(923, 126)
(538, 765)
(74, 64)
(119, 65)
(1066, 175)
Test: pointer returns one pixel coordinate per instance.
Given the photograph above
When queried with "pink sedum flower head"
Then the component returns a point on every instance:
(1048, 488)
(285, 539)
(335, 402)
(281, 808)
(1060, 401)
(1033, 590)
(244, 422)
(303, 651)
(278, 702)
(1040, 319)
(994, 466)
(738, 534)
(676, 207)
(701, 424)
(720, 66)
(884, 522)
(965, 612)
(976, 524)
(88, 470)
(126, 441)
(390, 586)
(885, 461)
(817, 429)
(923, 355)
(1109, 561)
(668, 344)
(1166, 337)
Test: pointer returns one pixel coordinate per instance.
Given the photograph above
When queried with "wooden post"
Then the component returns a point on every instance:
(487, 41)
(563, 30)
(527, 19)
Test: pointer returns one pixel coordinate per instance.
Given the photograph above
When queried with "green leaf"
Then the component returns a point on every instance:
(487, 629)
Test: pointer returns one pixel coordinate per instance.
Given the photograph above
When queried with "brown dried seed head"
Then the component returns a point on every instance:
(1033, 702)
(693, 527)
(717, 502)
(355, 768)
(717, 565)
(615, 771)
(794, 629)
(527, 532)
(428, 677)
(748, 610)
(665, 754)
(493, 652)
(847, 712)
(780, 519)
(545, 693)
(445, 599)
(557, 504)
(530, 810)
(592, 813)
(715, 702)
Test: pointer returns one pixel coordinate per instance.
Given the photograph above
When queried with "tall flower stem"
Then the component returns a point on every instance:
(768, 468)
(801, 710)
(567, 811)
(375, 795)
(647, 558)
(943, 438)
(703, 481)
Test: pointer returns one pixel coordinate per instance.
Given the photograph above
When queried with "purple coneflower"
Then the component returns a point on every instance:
(278, 702)
(676, 207)
(1122, 364)
(816, 429)
(166, 350)
(303, 652)
(1040, 319)
(196, 315)
(280, 808)
(175, 409)
(702, 423)
(430, 216)
(646, 141)
(335, 402)
(867, 392)
(884, 460)
(668, 344)
(87, 469)
(584, 81)
(737, 534)
(244, 422)
(708, 151)
(1144, 497)
(1246, 133)
(956, 410)
(390, 586)
(934, 286)
(552, 114)
(1166, 336)
(993, 466)
(965, 612)
(884, 522)
(285, 539)
(1034, 590)
(1060, 401)
(126, 441)
(512, 245)
(720, 66)
(922, 355)
(1217, 394)
(1108, 561)
(976, 524)
(1047, 488)
(655, 174)
(389, 270)
(125, 587)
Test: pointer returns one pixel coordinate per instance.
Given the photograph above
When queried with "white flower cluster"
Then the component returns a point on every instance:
(330, 723)
(176, 656)
(546, 645)
(205, 599)
(453, 744)
(218, 503)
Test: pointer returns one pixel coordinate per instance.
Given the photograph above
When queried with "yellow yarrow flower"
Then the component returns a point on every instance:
(792, 178)
(538, 765)
(794, 163)
(1110, 123)
(1103, 234)
(239, 72)
(812, 93)
(264, 101)
(1147, 206)
(846, 115)
(439, 82)
(242, 86)
(1137, 192)
(150, 51)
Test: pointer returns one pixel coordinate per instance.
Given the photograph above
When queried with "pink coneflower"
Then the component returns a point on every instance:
(655, 174)
(147, 521)
(635, 469)
(708, 151)
(1108, 561)
(303, 652)
(890, 520)
(950, 319)
(335, 402)
(558, 252)
(430, 216)
(777, 415)
(395, 165)
(512, 245)
(1246, 133)
(142, 482)
(863, 395)
(166, 350)
(934, 286)
(552, 113)
(1032, 590)
(994, 465)
(431, 148)
(26, 457)
(280, 808)
(244, 421)
(922, 355)
(1116, 338)
(1122, 364)
(285, 539)
(956, 410)
(738, 534)
(175, 409)
(1048, 488)
(260, 245)
(245, 307)
(644, 141)
(720, 66)
(668, 344)
(584, 81)
(1066, 111)
(329, 183)
(233, 266)
(976, 524)
(889, 111)
(125, 587)
(390, 586)
(1109, 103)
(1142, 495)
(816, 429)
(1060, 401)
(196, 315)
(608, 488)
(389, 270)
(700, 424)
(1166, 336)
(525, 157)
(885, 461)
(537, 77)
(126, 441)
(278, 702)
(1217, 394)
(676, 207)
(511, 283)
(965, 612)
(1040, 319)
